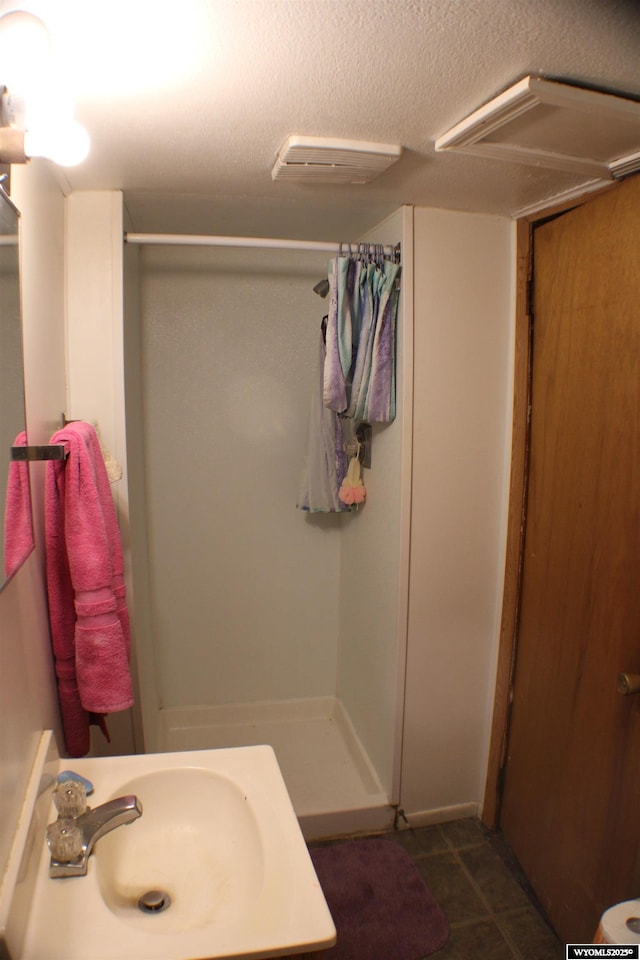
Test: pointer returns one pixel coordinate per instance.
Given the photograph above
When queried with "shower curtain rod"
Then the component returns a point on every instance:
(195, 240)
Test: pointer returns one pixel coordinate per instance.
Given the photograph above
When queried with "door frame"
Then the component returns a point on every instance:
(517, 504)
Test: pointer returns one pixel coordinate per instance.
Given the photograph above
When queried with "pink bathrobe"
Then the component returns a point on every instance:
(87, 605)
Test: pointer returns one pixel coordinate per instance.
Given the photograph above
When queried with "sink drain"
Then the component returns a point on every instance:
(154, 901)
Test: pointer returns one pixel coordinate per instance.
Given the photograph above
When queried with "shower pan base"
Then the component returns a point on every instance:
(331, 781)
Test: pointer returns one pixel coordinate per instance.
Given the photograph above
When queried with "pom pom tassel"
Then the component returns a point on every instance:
(353, 490)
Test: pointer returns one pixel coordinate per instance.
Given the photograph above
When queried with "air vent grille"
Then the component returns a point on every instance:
(323, 160)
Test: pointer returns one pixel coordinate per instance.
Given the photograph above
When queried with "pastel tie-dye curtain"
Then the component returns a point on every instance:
(356, 371)
(325, 464)
(359, 371)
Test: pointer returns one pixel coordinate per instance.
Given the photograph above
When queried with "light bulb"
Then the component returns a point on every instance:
(25, 49)
(36, 100)
(67, 144)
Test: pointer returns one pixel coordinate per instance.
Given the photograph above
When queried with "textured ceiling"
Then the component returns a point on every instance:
(188, 103)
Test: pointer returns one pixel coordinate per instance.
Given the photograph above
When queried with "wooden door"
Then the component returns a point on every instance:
(571, 803)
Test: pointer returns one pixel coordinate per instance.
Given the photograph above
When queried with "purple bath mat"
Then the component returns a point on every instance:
(381, 906)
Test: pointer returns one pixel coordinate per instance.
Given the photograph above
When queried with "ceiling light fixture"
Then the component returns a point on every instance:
(36, 115)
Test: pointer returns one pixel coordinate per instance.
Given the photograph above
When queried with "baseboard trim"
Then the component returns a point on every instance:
(426, 818)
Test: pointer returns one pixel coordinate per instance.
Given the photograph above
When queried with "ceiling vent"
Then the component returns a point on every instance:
(554, 125)
(325, 160)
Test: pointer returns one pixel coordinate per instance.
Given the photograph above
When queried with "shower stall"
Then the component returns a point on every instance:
(255, 622)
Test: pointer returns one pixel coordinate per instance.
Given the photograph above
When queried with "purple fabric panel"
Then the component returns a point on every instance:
(359, 373)
(381, 397)
(325, 461)
(334, 392)
(340, 455)
(360, 383)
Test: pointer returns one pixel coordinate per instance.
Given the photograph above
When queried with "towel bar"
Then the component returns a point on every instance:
(49, 451)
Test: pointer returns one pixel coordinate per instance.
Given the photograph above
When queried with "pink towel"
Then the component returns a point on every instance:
(18, 528)
(85, 580)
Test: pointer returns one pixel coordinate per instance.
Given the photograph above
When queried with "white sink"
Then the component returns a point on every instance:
(217, 834)
(213, 877)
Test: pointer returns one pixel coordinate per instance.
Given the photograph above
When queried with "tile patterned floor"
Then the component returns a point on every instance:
(491, 915)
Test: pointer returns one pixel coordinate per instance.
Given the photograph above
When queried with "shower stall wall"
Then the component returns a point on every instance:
(263, 623)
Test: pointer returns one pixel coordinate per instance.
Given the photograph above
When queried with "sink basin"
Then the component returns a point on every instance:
(213, 877)
(220, 842)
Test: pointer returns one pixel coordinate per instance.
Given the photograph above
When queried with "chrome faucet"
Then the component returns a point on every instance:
(77, 835)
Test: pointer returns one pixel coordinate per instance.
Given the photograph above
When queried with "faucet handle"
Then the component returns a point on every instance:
(70, 798)
(65, 840)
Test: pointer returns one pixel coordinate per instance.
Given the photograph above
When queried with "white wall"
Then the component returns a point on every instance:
(94, 284)
(462, 428)
(138, 581)
(244, 587)
(28, 701)
(374, 554)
